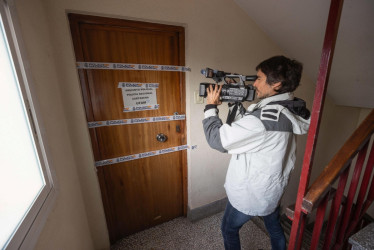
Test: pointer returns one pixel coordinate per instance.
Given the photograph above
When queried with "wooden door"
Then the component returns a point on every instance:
(140, 193)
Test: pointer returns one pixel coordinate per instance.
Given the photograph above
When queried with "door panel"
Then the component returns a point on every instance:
(145, 192)
(146, 199)
(168, 93)
(117, 145)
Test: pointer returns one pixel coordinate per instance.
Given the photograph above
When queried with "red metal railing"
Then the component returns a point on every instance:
(319, 97)
(346, 213)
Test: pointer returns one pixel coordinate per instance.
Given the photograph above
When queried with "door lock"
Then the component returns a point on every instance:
(161, 137)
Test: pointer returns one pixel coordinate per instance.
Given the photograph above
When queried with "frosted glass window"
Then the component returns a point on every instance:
(21, 176)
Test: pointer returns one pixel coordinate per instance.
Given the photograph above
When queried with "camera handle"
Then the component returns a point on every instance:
(232, 77)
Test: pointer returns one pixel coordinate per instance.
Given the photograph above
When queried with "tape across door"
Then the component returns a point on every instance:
(136, 121)
(130, 66)
(142, 155)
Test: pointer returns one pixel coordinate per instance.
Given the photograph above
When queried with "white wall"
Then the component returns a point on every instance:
(67, 226)
(218, 35)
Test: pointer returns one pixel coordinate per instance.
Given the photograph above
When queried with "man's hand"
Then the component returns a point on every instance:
(213, 94)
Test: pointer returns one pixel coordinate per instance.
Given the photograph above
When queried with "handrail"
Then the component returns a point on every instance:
(298, 223)
(338, 164)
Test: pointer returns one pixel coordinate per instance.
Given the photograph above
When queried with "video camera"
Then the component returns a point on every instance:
(232, 90)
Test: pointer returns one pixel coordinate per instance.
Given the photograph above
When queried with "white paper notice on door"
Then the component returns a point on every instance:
(139, 96)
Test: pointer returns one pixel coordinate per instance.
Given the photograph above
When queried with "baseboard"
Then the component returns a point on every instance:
(206, 210)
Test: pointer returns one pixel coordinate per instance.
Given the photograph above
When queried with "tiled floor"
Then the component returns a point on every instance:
(183, 234)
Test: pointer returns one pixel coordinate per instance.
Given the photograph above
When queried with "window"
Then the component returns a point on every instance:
(26, 182)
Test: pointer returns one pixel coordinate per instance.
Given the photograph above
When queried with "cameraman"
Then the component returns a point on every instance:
(263, 148)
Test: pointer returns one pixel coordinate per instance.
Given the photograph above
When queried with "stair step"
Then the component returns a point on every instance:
(363, 239)
(307, 237)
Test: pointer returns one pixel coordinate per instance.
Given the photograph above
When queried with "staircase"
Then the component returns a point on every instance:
(345, 214)
(307, 237)
(347, 211)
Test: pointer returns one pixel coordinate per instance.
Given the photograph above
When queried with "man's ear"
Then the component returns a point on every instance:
(276, 86)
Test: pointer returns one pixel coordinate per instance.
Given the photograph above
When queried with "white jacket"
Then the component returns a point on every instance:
(263, 147)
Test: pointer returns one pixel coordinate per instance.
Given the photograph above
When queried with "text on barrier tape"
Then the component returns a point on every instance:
(138, 85)
(140, 108)
(130, 66)
(143, 155)
(136, 121)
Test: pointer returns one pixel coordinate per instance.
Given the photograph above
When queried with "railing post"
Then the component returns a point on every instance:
(341, 235)
(319, 97)
(359, 212)
(334, 212)
(370, 195)
(319, 223)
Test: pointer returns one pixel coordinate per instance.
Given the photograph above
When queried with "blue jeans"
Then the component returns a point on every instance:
(233, 220)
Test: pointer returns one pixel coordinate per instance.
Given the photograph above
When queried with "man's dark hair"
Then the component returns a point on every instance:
(284, 70)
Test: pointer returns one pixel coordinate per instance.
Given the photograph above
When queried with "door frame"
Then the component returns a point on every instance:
(75, 20)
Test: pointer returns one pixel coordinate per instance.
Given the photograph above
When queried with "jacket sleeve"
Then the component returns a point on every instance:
(212, 123)
(244, 135)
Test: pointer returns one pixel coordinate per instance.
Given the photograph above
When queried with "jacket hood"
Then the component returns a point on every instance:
(294, 108)
(297, 106)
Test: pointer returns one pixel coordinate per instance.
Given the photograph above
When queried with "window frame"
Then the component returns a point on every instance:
(29, 229)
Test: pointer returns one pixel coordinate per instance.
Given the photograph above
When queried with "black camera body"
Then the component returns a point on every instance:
(232, 90)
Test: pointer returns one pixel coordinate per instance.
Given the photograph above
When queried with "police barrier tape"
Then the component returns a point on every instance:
(130, 66)
(140, 108)
(136, 121)
(137, 85)
(143, 155)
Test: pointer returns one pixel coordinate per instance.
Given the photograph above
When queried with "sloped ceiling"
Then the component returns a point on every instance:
(298, 27)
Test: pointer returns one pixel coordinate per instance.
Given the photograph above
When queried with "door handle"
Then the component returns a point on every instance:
(161, 137)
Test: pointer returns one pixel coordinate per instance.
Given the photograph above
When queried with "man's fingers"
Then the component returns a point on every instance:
(216, 88)
(220, 88)
(209, 89)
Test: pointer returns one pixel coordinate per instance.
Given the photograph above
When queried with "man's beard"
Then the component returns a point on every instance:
(263, 97)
